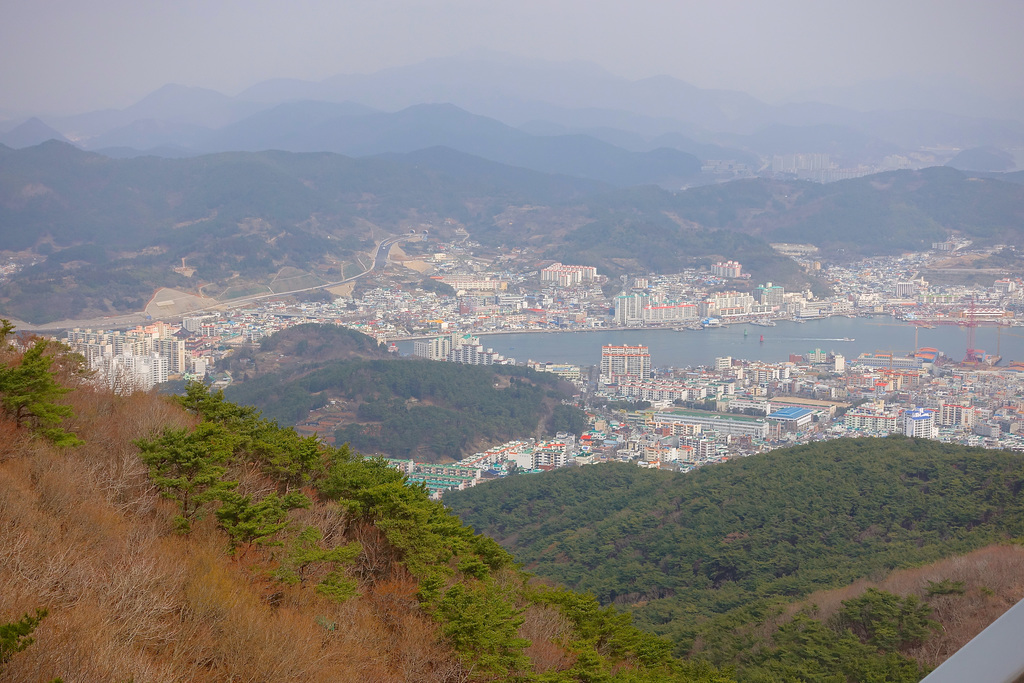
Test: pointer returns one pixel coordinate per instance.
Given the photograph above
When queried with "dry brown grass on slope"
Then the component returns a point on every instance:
(83, 534)
(993, 580)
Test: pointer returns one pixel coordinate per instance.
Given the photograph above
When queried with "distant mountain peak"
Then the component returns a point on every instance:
(30, 134)
(986, 159)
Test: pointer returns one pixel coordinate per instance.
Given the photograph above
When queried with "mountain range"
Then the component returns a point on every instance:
(539, 100)
(104, 233)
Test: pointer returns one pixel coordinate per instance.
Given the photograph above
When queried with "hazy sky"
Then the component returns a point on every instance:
(69, 56)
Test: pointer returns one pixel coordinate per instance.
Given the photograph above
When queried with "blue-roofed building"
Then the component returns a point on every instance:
(792, 417)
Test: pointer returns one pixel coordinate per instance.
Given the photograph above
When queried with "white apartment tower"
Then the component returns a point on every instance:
(729, 269)
(438, 348)
(629, 308)
(920, 423)
(631, 361)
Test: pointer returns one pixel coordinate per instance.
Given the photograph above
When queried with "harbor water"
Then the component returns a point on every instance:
(847, 336)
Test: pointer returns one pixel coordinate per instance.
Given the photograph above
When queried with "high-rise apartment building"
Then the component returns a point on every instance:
(633, 362)
(769, 294)
(629, 308)
(731, 269)
(920, 423)
(437, 348)
(566, 276)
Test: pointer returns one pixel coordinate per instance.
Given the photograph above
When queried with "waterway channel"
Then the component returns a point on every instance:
(847, 336)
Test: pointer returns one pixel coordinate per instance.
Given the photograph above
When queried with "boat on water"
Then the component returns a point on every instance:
(847, 339)
(763, 322)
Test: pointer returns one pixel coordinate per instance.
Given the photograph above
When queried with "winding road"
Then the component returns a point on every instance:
(380, 260)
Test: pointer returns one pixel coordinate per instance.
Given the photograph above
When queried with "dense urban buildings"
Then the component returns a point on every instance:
(727, 407)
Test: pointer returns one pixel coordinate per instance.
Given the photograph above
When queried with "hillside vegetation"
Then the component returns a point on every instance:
(108, 232)
(407, 408)
(884, 213)
(295, 351)
(150, 538)
(118, 227)
(707, 557)
(189, 539)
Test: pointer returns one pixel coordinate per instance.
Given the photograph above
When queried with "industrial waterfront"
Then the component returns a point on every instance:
(847, 336)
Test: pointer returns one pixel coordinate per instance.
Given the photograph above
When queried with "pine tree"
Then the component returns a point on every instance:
(17, 635)
(188, 467)
(29, 391)
(256, 523)
(306, 551)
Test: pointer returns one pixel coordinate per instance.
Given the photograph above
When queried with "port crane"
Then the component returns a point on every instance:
(968, 319)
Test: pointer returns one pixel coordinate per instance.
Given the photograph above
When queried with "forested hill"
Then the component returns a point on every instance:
(149, 539)
(296, 350)
(400, 407)
(703, 556)
(117, 228)
(414, 408)
(105, 233)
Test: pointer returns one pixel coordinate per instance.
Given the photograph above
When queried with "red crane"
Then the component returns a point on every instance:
(973, 356)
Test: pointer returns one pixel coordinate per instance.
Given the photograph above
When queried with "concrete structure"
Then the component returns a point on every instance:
(729, 269)
(951, 414)
(476, 354)
(793, 418)
(438, 348)
(769, 294)
(632, 362)
(126, 373)
(730, 305)
(920, 423)
(887, 360)
(629, 308)
(563, 370)
(726, 425)
(816, 356)
(470, 283)
(134, 359)
(740, 404)
(669, 313)
(567, 276)
(905, 290)
(193, 324)
(871, 422)
(801, 163)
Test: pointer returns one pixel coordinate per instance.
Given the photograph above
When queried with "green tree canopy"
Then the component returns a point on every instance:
(29, 392)
(188, 466)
